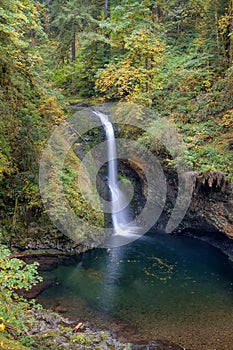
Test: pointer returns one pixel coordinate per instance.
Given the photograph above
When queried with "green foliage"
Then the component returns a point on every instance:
(73, 182)
(10, 344)
(82, 339)
(81, 48)
(137, 54)
(133, 75)
(209, 144)
(69, 19)
(19, 19)
(22, 127)
(15, 274)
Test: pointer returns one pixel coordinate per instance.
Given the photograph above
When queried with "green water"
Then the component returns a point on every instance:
(175, 288)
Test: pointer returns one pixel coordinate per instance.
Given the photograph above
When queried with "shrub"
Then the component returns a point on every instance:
(15, 274)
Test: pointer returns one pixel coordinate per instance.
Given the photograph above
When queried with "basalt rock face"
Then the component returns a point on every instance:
(211, 208)
(210, 212)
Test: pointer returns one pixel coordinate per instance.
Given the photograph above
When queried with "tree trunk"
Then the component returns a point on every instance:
(73, 47)
(32, 37)
(216, 24)
(106, 9)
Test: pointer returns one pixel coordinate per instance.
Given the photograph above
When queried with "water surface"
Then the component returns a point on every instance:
(159, 286)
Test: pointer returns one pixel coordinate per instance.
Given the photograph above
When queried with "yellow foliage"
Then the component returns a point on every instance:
(2, 327)
(52, 112)
(223, 23)
(227, 120)
(5, 165)
(134, 75)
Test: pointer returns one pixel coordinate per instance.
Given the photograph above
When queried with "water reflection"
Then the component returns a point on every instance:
(174, 287)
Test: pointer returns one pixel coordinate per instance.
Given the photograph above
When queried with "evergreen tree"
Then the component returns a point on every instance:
(137, 51)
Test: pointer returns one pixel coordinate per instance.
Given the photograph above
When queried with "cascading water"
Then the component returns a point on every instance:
(119, 210)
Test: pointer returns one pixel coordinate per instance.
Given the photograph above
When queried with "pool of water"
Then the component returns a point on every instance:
(158, 287)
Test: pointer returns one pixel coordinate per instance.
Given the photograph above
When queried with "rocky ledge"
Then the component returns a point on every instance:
(210, 215)
(52, 331)
(211, 208)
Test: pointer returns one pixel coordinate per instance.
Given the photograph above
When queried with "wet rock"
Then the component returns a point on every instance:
(53, 331)
(209, 216)
(210, 213)
(78, 106)
(47, 258)
(60, 309)
(35, 290)
(53, 245)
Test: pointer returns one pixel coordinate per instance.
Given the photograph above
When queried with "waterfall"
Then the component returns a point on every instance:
(119, 210)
